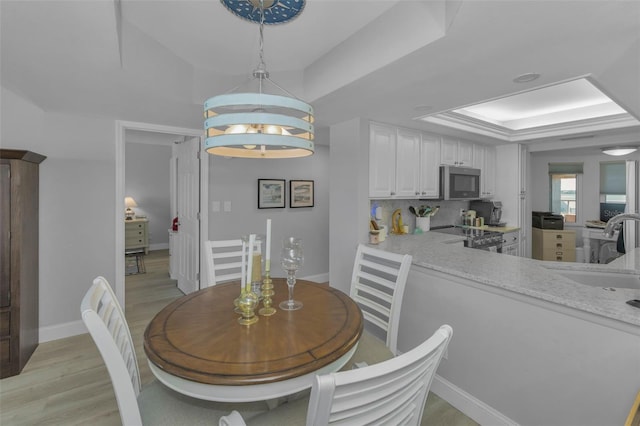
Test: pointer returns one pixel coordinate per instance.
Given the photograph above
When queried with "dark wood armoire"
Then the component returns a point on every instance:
(19, 323)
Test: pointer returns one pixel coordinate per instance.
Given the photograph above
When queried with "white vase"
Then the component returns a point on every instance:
(424, 223)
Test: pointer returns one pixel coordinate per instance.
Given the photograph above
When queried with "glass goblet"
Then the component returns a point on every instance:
(291, 258)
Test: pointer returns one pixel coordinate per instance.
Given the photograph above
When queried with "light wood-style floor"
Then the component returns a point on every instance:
(66, 383)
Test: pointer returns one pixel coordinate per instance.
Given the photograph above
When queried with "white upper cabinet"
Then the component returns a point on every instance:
(407, 163)
(484, 158)
(382, 161)
(489, 172)
(430, 166)
(456, 153)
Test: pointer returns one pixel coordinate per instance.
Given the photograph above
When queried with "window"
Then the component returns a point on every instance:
(564, 182)
(563, 196)
(613, 188)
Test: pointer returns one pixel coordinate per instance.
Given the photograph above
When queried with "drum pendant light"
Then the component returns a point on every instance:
(260, 124)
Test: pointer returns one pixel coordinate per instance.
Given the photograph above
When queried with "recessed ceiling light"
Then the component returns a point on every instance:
(561, 109)
(619, 150)
(561, 103)
(525, 78)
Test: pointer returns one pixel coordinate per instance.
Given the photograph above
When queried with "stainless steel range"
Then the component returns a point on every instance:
(475, 238)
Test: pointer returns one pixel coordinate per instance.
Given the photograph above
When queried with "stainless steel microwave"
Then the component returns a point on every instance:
(459, 183)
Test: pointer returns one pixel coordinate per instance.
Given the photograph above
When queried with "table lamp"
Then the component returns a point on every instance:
(129, 213)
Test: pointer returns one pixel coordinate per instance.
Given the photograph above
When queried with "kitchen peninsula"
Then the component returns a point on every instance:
(530, 346)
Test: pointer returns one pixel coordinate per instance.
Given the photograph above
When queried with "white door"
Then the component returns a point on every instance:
(187, 239)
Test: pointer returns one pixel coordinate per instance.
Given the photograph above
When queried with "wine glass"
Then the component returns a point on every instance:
(291, 258)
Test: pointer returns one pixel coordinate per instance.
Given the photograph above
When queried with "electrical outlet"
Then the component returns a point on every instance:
(462, 212)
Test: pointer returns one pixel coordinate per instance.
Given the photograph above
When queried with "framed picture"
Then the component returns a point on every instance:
(301, 193)
(271, 193)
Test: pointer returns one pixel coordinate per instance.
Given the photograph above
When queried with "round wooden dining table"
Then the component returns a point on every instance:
(196, 346)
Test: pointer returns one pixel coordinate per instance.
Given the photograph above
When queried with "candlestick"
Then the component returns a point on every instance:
(243, 266)
(252, 241)
(268, 251)
(256, 274)
(248, 300)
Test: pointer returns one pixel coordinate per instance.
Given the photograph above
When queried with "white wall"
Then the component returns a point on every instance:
(533, 362)
(236, 180)
(76, 204)
(147, 180)
(350, 216)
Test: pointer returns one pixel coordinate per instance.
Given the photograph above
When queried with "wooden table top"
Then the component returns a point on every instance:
(198, 337)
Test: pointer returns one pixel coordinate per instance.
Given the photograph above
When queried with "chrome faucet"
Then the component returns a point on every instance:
(611, 224)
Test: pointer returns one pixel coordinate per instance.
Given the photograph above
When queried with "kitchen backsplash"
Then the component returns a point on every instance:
(449, 213)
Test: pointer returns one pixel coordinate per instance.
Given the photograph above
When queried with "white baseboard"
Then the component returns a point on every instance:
(470, 406)
(320, 278)
(60, 331)
(159, 246)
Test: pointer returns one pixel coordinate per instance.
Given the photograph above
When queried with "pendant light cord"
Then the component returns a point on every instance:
(261, 72)
(262, 67)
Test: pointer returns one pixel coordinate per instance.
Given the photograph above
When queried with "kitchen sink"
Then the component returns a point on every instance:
(601, 279)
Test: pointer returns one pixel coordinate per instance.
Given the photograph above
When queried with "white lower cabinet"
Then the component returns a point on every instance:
(511, 243)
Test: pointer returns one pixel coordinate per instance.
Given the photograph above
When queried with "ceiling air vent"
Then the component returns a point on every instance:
(572, 138)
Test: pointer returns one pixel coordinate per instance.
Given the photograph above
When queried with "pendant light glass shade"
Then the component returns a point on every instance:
(259, 124)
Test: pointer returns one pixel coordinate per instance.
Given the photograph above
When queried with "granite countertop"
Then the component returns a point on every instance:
(521, 275)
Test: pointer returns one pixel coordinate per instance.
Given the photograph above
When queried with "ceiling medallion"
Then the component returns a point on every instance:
(275, 11)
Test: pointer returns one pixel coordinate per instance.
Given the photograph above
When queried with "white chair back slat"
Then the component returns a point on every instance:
(377, 286)
(381, 281)
(108, 327)
(226, 255)
(381, 323)
(370, 262)
(384, 296)
(223, 255)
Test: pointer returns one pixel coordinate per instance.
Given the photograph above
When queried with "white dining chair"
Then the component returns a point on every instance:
(377, 286)
(392, 392)
(153, 404)
(224, 261)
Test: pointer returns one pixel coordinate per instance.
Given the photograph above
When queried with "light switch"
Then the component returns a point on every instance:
(227, 206)
(215, 206)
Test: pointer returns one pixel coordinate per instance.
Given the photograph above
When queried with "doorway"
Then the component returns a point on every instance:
(121, 128)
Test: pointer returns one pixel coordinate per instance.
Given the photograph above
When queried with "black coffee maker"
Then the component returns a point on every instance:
(491, 211)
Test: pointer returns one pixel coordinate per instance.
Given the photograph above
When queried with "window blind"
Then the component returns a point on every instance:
(565, 168)
(613, 178)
